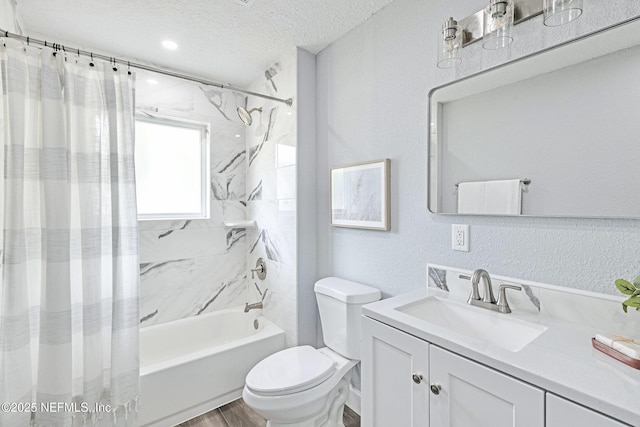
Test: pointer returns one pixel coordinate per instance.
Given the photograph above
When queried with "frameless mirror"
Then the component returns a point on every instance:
(566, 119)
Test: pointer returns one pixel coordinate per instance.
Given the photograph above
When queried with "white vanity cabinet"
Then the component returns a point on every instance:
(563, 413)
(395, 377)
(480, 368)
(399, 372)
(470, 394)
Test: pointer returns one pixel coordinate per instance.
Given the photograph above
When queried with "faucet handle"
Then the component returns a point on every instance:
(261, 269)
(475, 295)
(503, 305)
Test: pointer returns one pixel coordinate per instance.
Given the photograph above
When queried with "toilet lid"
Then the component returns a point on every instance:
(289, 371)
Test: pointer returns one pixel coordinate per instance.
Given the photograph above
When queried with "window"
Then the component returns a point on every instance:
(172, 168)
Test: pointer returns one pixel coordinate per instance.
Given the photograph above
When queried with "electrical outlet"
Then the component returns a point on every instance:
(460, 237)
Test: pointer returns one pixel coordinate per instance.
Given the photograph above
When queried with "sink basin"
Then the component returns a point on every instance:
(474, 322)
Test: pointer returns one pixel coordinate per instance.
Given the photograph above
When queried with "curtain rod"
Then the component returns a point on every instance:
(113, 60)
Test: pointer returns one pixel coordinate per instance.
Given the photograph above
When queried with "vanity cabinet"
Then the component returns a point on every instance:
(470, 394)
(563, 413)
(406, 382)
(395, 377)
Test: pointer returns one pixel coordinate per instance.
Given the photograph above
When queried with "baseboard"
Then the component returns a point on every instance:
(353, 400)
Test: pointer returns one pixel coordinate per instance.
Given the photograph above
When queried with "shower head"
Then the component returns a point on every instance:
(245, 115)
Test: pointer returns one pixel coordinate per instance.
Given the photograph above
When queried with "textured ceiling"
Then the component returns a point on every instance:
(224, 40)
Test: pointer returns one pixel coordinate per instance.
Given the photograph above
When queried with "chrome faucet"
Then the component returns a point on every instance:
(256, 305)
(488, 300)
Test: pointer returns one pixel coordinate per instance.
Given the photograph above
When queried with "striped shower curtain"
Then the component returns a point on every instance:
(69, 283)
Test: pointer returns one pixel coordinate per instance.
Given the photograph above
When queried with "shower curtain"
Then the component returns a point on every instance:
(69, 282)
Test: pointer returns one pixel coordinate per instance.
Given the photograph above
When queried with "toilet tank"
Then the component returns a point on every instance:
(339, 303)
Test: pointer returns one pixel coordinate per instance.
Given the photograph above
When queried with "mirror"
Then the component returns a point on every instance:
(567, 119)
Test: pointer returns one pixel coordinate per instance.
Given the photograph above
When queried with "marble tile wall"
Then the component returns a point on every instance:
(189, 267)
(271, 195)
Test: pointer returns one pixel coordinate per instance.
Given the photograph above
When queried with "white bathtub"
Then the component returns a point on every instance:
(191, 366)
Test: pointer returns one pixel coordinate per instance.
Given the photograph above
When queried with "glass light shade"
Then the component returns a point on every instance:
(498, 22)
(560, 12)
(449, 44)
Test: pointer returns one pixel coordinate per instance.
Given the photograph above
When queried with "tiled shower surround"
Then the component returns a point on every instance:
(271, 190)
(189, 267)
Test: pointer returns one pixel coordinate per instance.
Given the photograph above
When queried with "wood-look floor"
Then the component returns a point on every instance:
(238, 414)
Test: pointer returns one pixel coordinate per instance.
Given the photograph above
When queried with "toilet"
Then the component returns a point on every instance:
(307, 387)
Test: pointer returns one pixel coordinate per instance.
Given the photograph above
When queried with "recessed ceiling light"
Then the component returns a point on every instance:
(152, 81)
(238, 136)
(168, 44)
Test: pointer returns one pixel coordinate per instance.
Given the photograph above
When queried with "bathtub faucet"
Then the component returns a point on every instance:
(255, 305)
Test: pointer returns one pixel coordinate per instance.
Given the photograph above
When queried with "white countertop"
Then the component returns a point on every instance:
(561, 360)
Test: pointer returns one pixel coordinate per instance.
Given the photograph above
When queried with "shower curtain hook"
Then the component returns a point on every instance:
(91, 64)
(129, 67)
(115, 66)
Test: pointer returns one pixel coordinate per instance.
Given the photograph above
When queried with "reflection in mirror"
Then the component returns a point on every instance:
(567, 119)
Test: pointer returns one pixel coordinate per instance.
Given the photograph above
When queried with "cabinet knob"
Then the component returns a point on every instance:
(417, 378)
(436, 388)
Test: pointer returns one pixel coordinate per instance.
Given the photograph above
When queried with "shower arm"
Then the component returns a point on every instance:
(129, 64)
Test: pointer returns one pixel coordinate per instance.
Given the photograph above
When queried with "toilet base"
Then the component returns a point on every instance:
(331, 414)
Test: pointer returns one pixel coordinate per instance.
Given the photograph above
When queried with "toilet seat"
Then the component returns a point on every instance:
(290, 371)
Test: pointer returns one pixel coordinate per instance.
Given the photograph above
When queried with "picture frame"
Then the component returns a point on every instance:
(360, 196)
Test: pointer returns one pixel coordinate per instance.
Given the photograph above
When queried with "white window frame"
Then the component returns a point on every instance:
(204, 128)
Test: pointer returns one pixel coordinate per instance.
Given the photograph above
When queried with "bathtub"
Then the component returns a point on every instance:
(193, 365)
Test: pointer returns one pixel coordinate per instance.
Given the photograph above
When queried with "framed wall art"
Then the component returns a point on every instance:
(360, 195)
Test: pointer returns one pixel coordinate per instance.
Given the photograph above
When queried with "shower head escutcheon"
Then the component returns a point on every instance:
(245, 115)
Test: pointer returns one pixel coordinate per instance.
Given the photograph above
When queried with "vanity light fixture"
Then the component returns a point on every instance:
(449, 43)
(498, 22)
(560, 12)
(494, 23)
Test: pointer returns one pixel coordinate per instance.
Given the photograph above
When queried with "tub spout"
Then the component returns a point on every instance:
(253, 306)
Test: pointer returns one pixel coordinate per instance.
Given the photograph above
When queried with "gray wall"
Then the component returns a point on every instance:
(372, 103)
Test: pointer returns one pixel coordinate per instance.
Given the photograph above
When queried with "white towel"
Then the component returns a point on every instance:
(471, 197)
(503, 197)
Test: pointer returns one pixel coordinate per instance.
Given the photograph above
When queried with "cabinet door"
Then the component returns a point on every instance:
(390, 396)
(563, 413)
(472, 395)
